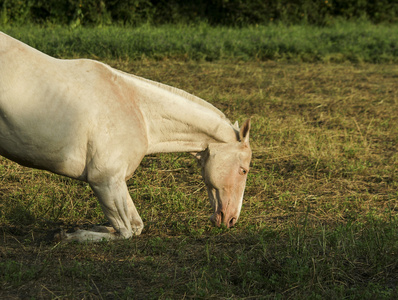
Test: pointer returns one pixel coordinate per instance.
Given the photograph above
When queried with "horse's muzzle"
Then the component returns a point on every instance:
(218, 219)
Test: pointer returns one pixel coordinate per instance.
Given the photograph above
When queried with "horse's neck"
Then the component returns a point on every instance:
(179, 122)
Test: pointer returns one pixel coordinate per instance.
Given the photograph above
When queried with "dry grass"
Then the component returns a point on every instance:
(320, 212)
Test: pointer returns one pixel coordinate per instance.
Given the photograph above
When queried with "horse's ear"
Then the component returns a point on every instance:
(236, 125)
(244, 132)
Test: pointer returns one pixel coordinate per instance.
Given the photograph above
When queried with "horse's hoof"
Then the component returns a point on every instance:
(137, 230)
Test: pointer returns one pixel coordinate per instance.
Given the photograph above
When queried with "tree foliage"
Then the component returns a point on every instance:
(214, 12)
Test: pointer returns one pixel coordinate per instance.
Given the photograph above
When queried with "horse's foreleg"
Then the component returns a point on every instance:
(119, 209)
(135, 220)
(117, 206)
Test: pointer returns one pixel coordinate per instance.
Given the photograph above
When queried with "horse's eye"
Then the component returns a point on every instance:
(242, 171)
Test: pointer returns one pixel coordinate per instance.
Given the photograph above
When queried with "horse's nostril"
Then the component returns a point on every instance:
(231, 222)
(222, 217)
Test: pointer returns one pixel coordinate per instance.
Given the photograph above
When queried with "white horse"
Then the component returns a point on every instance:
(85, 120)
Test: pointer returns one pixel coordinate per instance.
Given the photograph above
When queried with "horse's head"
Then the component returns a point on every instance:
(224, 169)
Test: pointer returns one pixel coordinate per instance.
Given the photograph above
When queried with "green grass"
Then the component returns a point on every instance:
(355, 42)
(319, 219)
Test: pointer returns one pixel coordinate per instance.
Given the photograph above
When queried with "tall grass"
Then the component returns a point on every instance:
(355, 42)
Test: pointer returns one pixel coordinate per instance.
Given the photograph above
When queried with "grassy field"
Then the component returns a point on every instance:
(354, 42)
(319, 220)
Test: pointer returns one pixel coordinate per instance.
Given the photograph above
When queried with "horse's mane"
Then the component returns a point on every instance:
(181, 93)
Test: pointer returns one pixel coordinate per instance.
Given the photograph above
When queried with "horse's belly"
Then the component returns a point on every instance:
(34, 138)
(39, 152)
